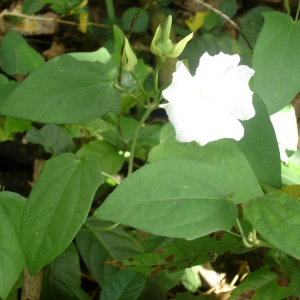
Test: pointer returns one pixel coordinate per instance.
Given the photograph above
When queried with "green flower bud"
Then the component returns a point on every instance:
(129, 59)
(162, 46)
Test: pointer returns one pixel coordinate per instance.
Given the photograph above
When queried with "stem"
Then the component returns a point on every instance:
(110, 11)
(219, 13)
(111, 177)
(101, 229)
(158, 66)
(44, 19)
(141, 86)
(234, 234)
(297, 13)
(136, 133)
(243, 236)
(287, 6)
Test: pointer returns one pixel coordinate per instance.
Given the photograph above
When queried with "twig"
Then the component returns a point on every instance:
(56, 20)
(219, 13)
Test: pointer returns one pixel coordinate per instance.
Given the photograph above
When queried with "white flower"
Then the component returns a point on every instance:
(206, 107)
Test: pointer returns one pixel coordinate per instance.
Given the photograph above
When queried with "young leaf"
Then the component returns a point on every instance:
(71, 88)
(63, 269)
(174, 197)
(260, 146)
(54, 139)
(275, 61)
(123, 285)
(213, 153)
(12, 260)
(276, 218)
(97, 246)
(57, 207)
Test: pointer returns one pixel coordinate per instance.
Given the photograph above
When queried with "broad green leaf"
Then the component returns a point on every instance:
(274, 281)
(191, 279)
(123, 285)
(276, 217)
(12, 260)
(3, 79)
(63, 269)
(207, 43)
(77, 291)
(260, 147)
(57, 207)
(30, 58)
(170, 280)
(30, 7)
(128, 126)
(154, 289)
(96, 247)
(275, 60)
(10, 60)
(187, 203)
(183, 254)
(54, 139)
(216, 152)
(13, 125)
(71, 88)
(109, 158)
(228, 8)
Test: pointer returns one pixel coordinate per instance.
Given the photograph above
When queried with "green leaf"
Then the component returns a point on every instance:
(96, 247)
(228, 8)
(30, 58)
(110, 160)
(213, 153)
(63, 269)
(6, 89)
(12, 260)
(141, 23)
(187, 203)
(191, 279)
(181, 254)
(123, 285)
(289, 176)
(10, 59)
(260, 147)
(71, 88)
(276, 218)
(154, 289)
(274, 281)
(30, 7)
(54, 139)
(253, 21)
(275, 61)
(13, 125)
(57, 207)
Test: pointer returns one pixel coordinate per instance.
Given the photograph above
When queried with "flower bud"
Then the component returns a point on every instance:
(161, 44)
(129, 59)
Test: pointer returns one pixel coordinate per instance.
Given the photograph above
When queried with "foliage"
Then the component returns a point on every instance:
(180, 204)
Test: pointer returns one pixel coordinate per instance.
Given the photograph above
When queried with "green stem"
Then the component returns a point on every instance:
(111, 177)
(297, 13)
(156, 71)
(234, 234)
(149, 110)
(131, 95)
(141, 86)
(287, 6)
(248, 245)
(219, 13)
(110, 11)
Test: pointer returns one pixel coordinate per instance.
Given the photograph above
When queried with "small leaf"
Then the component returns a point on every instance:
(12, 260)
(57, 207)
(54, 139)
(141, 23)
(123, 285)
(187, 203)
(275, 61)
(71, 88)
(96, 247)
(63, 269)
(30, 7)
(276, 218)
(13, 125)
